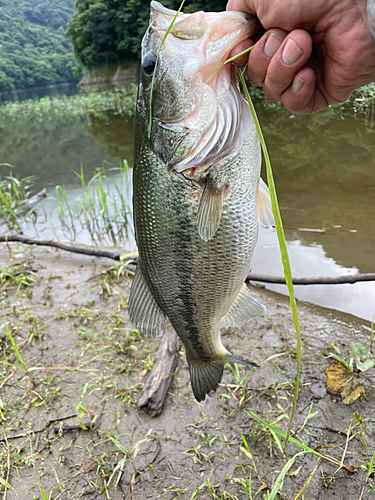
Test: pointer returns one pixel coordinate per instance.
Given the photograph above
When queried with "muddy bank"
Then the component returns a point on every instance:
(86, 364)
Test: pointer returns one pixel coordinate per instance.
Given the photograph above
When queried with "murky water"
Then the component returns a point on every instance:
(324, 169)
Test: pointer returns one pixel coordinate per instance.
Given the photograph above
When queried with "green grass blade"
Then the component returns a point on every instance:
(156, 65)
(282, 245)
(284, 435)
(371, 466)
(280, 479)
(239, 55)
(42, 494)
(19, 357)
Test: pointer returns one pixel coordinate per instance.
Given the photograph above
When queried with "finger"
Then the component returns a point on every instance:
(242, 60)
(262, 53)
(292, 55)
(300, 97)
(241, 6)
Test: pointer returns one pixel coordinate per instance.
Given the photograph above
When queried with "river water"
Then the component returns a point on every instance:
(324, 169)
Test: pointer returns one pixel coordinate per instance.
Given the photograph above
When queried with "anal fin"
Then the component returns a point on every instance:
(210, 209)
(144, 312)
(243, 308)
(264, 206)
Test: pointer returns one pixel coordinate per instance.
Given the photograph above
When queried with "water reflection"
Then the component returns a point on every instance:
(117, 137)
(38, 92)
(53, 149)
(324, 169)
(306, 261)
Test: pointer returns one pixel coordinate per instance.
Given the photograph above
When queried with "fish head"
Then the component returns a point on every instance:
(194, 97)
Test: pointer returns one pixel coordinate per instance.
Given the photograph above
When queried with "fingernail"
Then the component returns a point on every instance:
(272, 44)
(297, 84)
(291, 53)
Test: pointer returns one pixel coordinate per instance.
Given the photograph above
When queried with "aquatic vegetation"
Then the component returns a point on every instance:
(363, 104)
(121, 102)
(13, 195)
(102, 105)
(102, 209)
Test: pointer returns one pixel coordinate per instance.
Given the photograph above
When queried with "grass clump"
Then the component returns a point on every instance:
(13, 195)
(102, 209)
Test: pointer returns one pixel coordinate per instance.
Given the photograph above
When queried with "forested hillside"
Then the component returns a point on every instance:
(107, 31)
(33, 47)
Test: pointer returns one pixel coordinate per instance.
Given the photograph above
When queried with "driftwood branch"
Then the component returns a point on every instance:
(160, 378)
(20, 238)
(331, 280)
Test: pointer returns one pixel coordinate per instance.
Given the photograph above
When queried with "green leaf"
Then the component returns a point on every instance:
(371, 466)
(342, 361)
(365, 365)
(119, 445)
(6, 484)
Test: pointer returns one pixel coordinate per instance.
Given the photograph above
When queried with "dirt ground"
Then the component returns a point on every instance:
(86, 364)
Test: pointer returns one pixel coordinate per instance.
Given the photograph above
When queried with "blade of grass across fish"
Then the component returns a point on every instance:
(282, 245)
(239, 55)
(156, 65)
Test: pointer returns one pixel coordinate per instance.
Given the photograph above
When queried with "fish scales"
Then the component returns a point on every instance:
(189, 271)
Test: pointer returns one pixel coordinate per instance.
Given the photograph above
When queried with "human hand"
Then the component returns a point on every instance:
(314, 52)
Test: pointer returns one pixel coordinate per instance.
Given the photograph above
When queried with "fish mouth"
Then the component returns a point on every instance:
(238, 16)
(214, 122)
(158, 7)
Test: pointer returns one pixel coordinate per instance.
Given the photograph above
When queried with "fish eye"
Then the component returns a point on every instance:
(148, 64)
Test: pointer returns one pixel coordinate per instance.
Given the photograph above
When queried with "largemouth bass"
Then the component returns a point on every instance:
(197, 189)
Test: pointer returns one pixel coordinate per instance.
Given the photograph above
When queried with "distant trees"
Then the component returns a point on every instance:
(34, 50)
(107, 31)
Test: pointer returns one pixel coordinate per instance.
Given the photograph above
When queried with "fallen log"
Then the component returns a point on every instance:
(320, 280)
(20, 238)
(160, 378)
(30, 203)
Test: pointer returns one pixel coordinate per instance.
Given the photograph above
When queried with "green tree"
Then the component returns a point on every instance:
(34, 50)
(107, 31)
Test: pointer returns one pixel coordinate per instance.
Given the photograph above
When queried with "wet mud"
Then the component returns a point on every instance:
(85, 363)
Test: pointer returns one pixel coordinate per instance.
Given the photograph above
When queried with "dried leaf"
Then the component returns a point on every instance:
(343, 383)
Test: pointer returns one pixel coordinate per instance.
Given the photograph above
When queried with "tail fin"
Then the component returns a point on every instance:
(206, 377)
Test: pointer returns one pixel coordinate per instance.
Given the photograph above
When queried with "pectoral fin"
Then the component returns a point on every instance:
(264, 206)
(244, 308)
(144, 312)
(210, 210)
